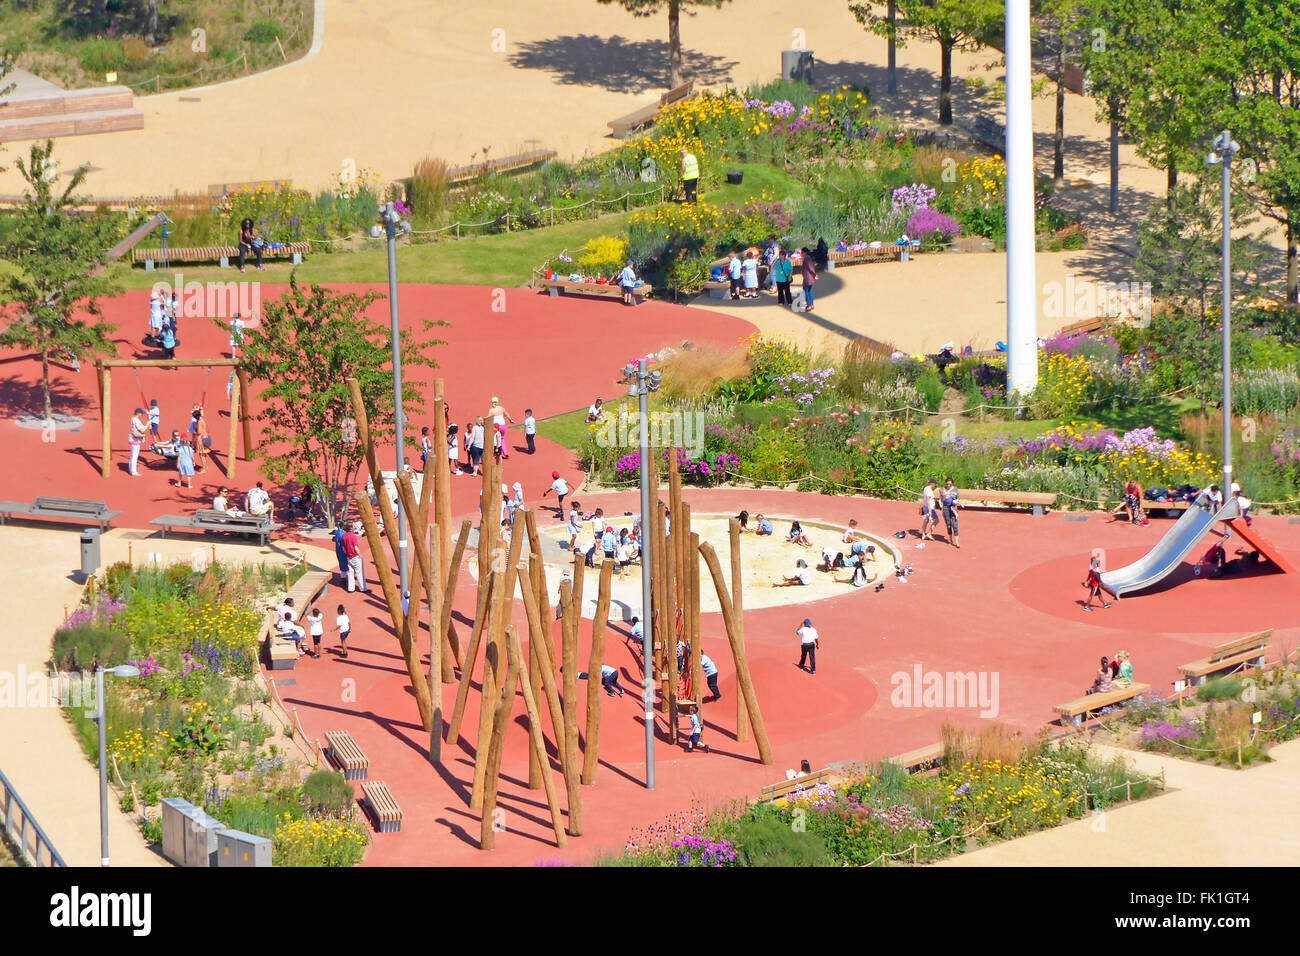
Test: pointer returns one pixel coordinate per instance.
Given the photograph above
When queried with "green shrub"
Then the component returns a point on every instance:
(263, 31)
(764, 839)
(1219, 688)
(776, 456)
(88, 646)
(328, 791)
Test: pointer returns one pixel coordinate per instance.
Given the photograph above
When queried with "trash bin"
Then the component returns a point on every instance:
(735, 177)
(89, 552)
(797, 65)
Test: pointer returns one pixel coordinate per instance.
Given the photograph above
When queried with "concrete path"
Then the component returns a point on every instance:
(38, 751)
(1210, 816)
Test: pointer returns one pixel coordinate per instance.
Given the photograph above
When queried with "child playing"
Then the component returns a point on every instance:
(453, 456)
(1243, 502)
(696, 728)
(530, 430)
(797, 536)
(573, 527)
(316, 627)
(851, 532)
(343, 624)
(561, 489)
(426, 446)
(1093, 584)
(155, 417)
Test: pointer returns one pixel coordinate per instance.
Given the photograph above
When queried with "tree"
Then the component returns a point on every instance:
(54, 251)
(306, 347)
(953, 24)
(1179, 252)
(1061, 20)
(650, 8)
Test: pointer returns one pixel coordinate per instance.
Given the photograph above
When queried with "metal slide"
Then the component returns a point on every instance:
(1170, 550)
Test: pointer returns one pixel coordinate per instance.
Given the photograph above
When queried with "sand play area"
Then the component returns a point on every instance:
(764, 561)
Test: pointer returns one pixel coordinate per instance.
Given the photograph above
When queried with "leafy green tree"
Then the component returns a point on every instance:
(652, 8)
(953, 24)
(306, 347)
(1060, 22)
(1179, 251)
(56, 254)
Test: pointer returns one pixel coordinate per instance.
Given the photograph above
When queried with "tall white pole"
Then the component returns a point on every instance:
(1022, 293)
(647, 618)
(1227, 150)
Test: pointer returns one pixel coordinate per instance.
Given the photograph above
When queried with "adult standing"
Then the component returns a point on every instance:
(929, 512)
(690, 175)
(202, 440)
(236, 334)
(627, 280)
(356, 564)
(169, 337)
(949, 500)
(139, 429)
(809, 641)
(809, 270)
(340, 553)
(499, 418)
(782, 274)
(250, 243)
(476, 446)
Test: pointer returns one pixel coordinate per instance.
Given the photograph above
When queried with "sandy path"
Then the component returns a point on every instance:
(398, 79)
(1211, 816)
(38, 751)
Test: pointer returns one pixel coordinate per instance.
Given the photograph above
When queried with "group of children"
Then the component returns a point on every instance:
(472, 438)
(856, 560)
(190, 450)
(1112, 674)
(290, 629)
(622, 547)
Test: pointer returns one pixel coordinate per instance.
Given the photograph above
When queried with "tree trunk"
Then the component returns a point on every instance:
(1113, 104)
(99, 10)
(674, 44)
(45, 383)
(945, 83)
(151, 24)
(1291, 290)
(1171, 181)
(1058, 146)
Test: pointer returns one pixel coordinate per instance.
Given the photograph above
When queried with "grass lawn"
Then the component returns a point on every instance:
(505, 259)
(570, 428)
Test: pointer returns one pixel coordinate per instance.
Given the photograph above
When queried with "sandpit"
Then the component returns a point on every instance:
(764, 561)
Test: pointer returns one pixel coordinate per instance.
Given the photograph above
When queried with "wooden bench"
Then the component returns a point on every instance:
(921, 760)
(343, 752)
(382, 808)
(805, 781)
(557, 287)
(1089, 704)
(208, 519)
(1245, 650)
(46, 507)
(220, 254)
(218, 190)
(1038, 500)
(850, 257)
(1166, 506)
(512, 163)
(279, 652)
(1095, 324)
(625, 125)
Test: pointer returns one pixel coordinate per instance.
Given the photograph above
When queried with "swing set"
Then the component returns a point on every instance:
(238, 394)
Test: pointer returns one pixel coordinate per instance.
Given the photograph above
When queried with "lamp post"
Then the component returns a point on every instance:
(392, 224)
(640, 384)
(1224, 152)
(1022, 292)
(101, 719)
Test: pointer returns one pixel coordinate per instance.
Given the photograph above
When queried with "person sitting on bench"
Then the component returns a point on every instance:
(258, 502)
(1121, 669)
(250, 243)
(1132, 504)
(1102, 684)
(293, 632)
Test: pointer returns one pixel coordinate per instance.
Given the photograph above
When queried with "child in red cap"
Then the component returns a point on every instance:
(561, 488)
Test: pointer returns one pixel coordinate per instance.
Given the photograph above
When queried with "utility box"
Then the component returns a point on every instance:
(797, 65)
(189, 834)
(238, 849)
(89, 552)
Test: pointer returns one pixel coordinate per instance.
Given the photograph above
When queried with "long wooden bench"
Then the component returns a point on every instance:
(78, 509)
(382, 808)
(852, 257)
(279, 652)
(1229, 656)
(502, 164)
(217, 190)
(1089, 704)
(219, 254)
(921, 760)
(343, 752)
(625, 125)
(557, 287)
(806, 781)
(208, 519)
(1038, 500)
(1095, 324)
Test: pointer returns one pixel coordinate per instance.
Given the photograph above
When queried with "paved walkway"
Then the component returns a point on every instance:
(1210, 816)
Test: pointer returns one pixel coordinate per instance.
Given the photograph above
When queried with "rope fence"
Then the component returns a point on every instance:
(158, 80)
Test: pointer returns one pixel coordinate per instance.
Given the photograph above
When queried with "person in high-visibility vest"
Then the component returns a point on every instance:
(690, 174)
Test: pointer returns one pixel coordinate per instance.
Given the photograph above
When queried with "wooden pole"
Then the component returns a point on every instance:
(675, 523)
(433, 588)
(538, 571)
(500, 720)
(537, 746)
(591, 755)
(693, 621)
(442, 499)
(738, 613)
(668, 690)
(571, 771)
(467, 665)
(738, 652)
(579, 578)
(535, 634)
(418, 684)
(106, 413)
(537, 765)
(448, 628)
(246, 419)
(233, 453)
(491, 688)
(377, 478)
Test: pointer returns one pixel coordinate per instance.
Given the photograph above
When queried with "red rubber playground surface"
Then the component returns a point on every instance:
(1007, 604)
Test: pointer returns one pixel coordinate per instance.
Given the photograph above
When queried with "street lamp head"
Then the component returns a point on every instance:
(655, 378)
(375, 232)
(632, 391)
(629, 372)
(125, 670)
(406, 227)
(1212, 159)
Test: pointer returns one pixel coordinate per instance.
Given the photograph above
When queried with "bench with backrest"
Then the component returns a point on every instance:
(1095, 324)
(78, 509)
(1244, 651)
(558, 287)
(785, 788)
(1038, 500)
(218, 254)
(851, 257)
(281, 653)
(382, 808)
(344, 753)
(208, 519)
(922, 760)
(625, 125)
(1088, 705)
